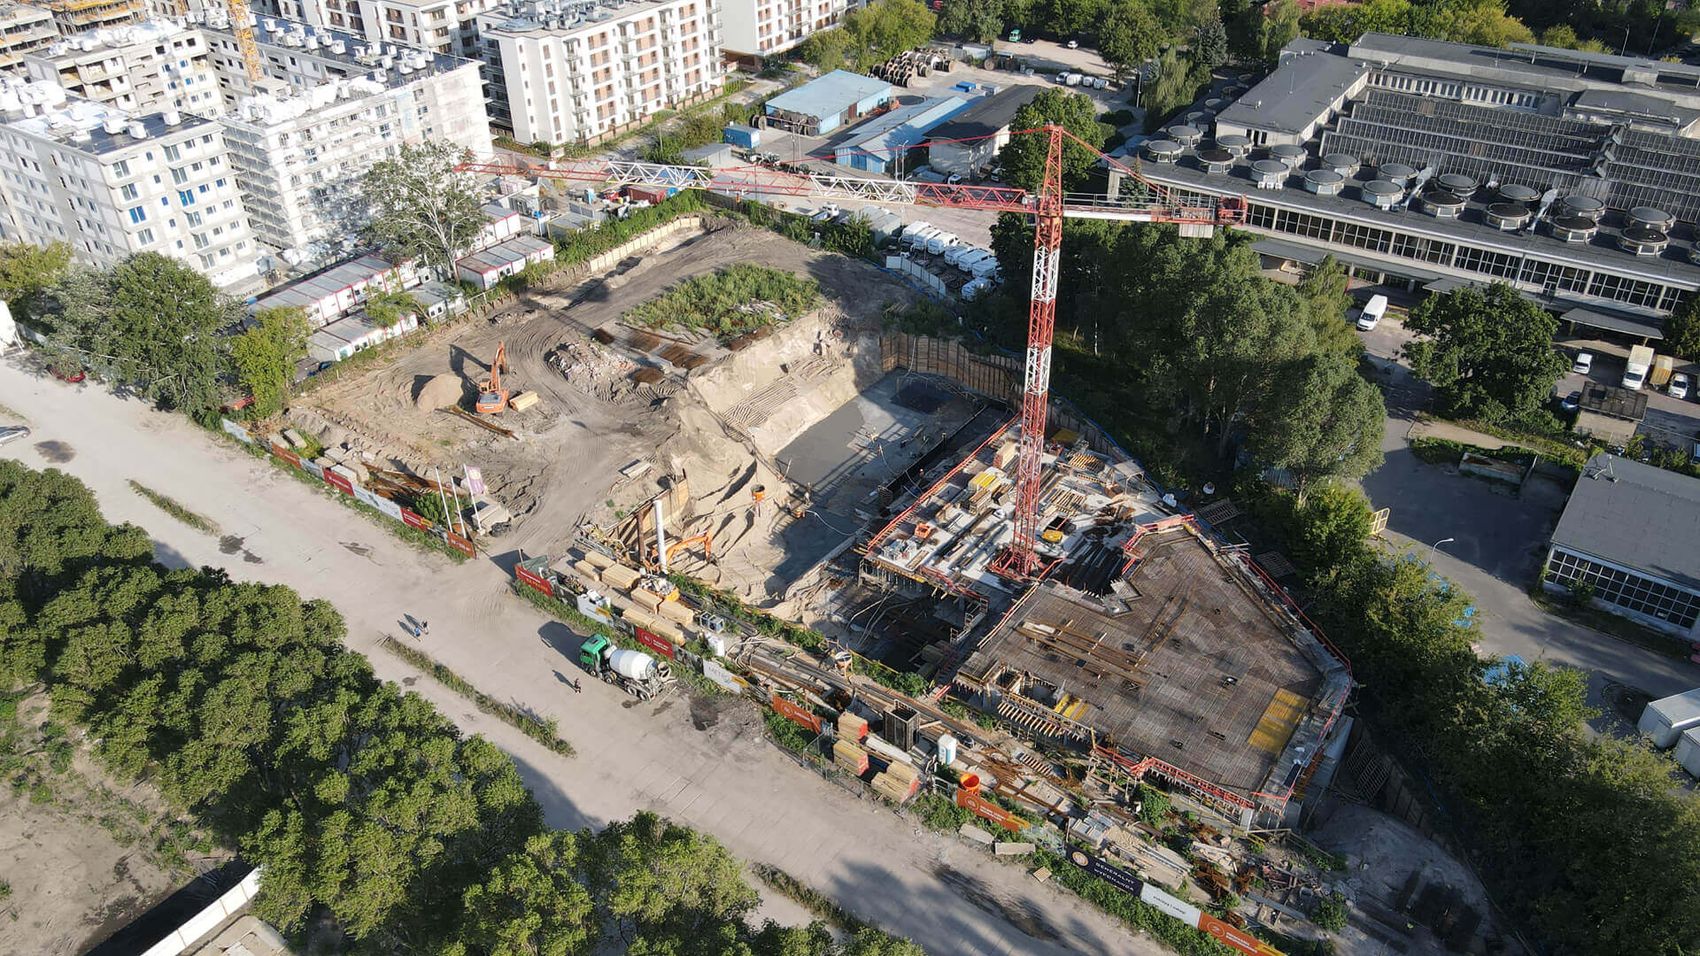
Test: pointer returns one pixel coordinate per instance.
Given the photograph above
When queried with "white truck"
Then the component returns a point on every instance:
(1635, 370)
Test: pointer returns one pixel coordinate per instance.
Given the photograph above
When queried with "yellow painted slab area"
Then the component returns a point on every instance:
(1279, 720)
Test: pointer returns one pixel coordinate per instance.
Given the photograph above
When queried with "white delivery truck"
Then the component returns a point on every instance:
(1372, 312)
(1635, 370)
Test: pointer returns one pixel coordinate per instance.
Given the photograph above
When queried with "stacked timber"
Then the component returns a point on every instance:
(677, 613)
(588, 571)
(655, 624)
(643, 597)
(598, 560)
(848, 756)
(897, 782)
(852, 727)
(523, 401)
(620, 576)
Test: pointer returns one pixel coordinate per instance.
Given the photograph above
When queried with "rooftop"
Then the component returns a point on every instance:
(503, 254)
(988, 114)
(829, 95)
(562, 16)
(1621, 510)
(93, 128)
(877, 134)
(310, 290)
(1300, 90)
(1626, 403)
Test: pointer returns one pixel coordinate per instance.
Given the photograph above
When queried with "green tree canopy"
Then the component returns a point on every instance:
(1323, 420)
(267, 354)
(1024, 157)
(870, 35)
(150, 323)
(28, 271)
(421, 207)
(1682, 329)
(978, 20)
(1128, 36)
(1324, 291)
(1488, 353)
(1482, 22)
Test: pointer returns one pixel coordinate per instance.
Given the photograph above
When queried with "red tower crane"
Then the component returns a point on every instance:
(1048, 207)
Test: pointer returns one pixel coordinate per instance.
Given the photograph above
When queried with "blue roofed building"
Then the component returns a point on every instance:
(823, 105)
(885, 144)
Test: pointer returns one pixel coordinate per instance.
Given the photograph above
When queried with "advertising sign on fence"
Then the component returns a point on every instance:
(1179, 909)
(533, 580)
(655, 642)
(987, 810)
(339, 482)
(590, 608)
(313, 468)
(799, 715)
(414, 521)
(1230, 935)
(1110, 873)
(387, 506)
(725, 678)
(366, 497)
(287, 455)
(236, 431)
(460, 544)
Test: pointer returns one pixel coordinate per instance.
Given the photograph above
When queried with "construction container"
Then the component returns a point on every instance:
(1665, 720)
(1688, 751)
(741, 136)
(850, 757)
(651, 194)
(523, 401)
(677, 613)
(620, 576)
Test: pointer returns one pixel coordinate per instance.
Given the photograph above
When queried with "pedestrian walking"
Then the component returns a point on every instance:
(414, 630)
(576, 688)
(425, 627)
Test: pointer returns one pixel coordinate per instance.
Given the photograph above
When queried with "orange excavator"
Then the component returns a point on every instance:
(492, 397)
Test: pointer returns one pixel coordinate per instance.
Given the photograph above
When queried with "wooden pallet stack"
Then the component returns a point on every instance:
(852, 727)
(897, 782)
(848, 756)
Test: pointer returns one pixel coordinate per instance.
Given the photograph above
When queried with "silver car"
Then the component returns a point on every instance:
(11, 433)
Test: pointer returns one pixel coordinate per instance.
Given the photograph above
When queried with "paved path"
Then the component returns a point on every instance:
(705, 765)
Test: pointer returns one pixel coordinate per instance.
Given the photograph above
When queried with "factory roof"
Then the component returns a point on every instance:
(829, 95)
(1300, 90)
(312, 289)
(902, 127)
(1542, 67)
(1620, 510)
(987, 115)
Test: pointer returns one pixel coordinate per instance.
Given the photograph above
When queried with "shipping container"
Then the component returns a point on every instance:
(650, 194)
(741, 136)
(1664, 720)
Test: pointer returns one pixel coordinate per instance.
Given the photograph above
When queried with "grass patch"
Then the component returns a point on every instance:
(1547, 446)
(1445, 451)
(789, 734)
(939, 812)
(1139, 915)
(541, 729)
(811, 899)
(175, 509)
(735, 300)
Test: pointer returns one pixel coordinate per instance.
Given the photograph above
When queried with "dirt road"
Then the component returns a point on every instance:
(706, 766)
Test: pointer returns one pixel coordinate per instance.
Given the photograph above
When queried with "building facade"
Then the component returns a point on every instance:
(757, 29)
(576, 72)
(441, 26)
(24, 28)
(76, 16)
(152, 65)
(111, 184)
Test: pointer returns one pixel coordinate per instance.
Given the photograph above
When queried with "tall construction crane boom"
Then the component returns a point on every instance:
(1048, 207)
(242, 27)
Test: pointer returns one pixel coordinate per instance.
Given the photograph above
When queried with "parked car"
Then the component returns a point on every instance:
(1584, 363)
(1571, 402)
(1372, 312)
(11, 433)
(1679, 385)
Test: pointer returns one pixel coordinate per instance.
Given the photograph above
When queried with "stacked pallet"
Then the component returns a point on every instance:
(848, 756)
(897, 782)
(852, 727)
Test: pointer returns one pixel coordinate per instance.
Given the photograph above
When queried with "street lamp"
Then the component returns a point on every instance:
(1436, 547)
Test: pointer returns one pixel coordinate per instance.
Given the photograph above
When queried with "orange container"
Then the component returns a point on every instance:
(970, 782)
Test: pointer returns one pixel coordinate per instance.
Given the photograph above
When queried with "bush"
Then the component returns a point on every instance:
(1330, 913)
(729, 302)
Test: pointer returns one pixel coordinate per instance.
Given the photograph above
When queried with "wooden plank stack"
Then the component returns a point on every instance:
(646, 598)
(675, 612)
(848, 756)
(852, 727)
(897, 782)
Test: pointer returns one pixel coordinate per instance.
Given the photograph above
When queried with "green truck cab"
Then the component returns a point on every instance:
(590, 653)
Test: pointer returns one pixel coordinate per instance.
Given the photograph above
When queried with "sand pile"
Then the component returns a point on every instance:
(440, 392)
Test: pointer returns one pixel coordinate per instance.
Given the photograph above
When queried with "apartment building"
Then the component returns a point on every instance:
(441, 26)
(23, 28)
(755, 29)
(154, 65)
(579, 72)
(329, 106)
(112, 183)
(76, 16)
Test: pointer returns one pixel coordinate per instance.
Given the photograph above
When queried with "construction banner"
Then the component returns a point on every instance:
(796, 714)
(655, 642)
(460, 544)
(313, 468)
(387, 506)
(1110, 873)
(1230, 935)
(714, 671)
(339, 482)
(414, 521)
(1178, 908)
(236, 431)
(532, 579)
(287, 455)
(987, 810)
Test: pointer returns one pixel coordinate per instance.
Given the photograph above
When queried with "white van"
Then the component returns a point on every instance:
(968, 261)
(917, 238)
(953, 255)
(939, 242)
(912, 228)
(1373, 310)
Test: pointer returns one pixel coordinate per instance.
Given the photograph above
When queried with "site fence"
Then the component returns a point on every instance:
(348, 487)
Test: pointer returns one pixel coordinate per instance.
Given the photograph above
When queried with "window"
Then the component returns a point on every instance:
(121, 169)
(185, 197)
(129, 192)
(180, 176)
(173, 154)
(138, 214)
(145, 237)
(1625, 589)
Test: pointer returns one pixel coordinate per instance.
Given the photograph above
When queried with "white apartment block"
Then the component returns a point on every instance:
(23, 28)
(763, 28)
(579, 72)
(153, 65)
(441, 26)
(111, 184)
(329, 106)
(75, 16)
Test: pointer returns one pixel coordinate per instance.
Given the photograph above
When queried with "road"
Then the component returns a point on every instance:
(1498, 542)
(704, 763)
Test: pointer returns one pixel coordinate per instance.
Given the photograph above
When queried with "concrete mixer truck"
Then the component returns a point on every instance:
(634, 672)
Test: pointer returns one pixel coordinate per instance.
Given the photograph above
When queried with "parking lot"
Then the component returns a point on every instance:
(1669, 421)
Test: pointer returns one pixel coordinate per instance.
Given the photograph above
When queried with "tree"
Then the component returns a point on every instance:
(27, 271)
(871, 942)
(150, 323)
(1277, 26)
(1024, 157)
(421, 207)
(1323, 420)
(1682, 329)
(826, 49)
(534, 903)
(1128, 36)
(666, 889)
(1210, 44)
(870, 35)
(977, 20)
(1324, 291)
(1564, 35)
(1330, 529)
(266, 356)
(1488, 353)
(386, 307)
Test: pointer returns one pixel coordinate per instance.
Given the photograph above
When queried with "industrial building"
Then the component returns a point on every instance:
(112, 183)
(823, 105)
(580, 71)
(1146, 641)
(970, 142)
(1611, 544)
(1427, 164)
(23, 28)
(153, 65)
(884, 143)
(757, 29)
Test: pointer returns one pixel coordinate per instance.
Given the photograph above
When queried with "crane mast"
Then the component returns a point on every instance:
(242, 27)
(1048, 207)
